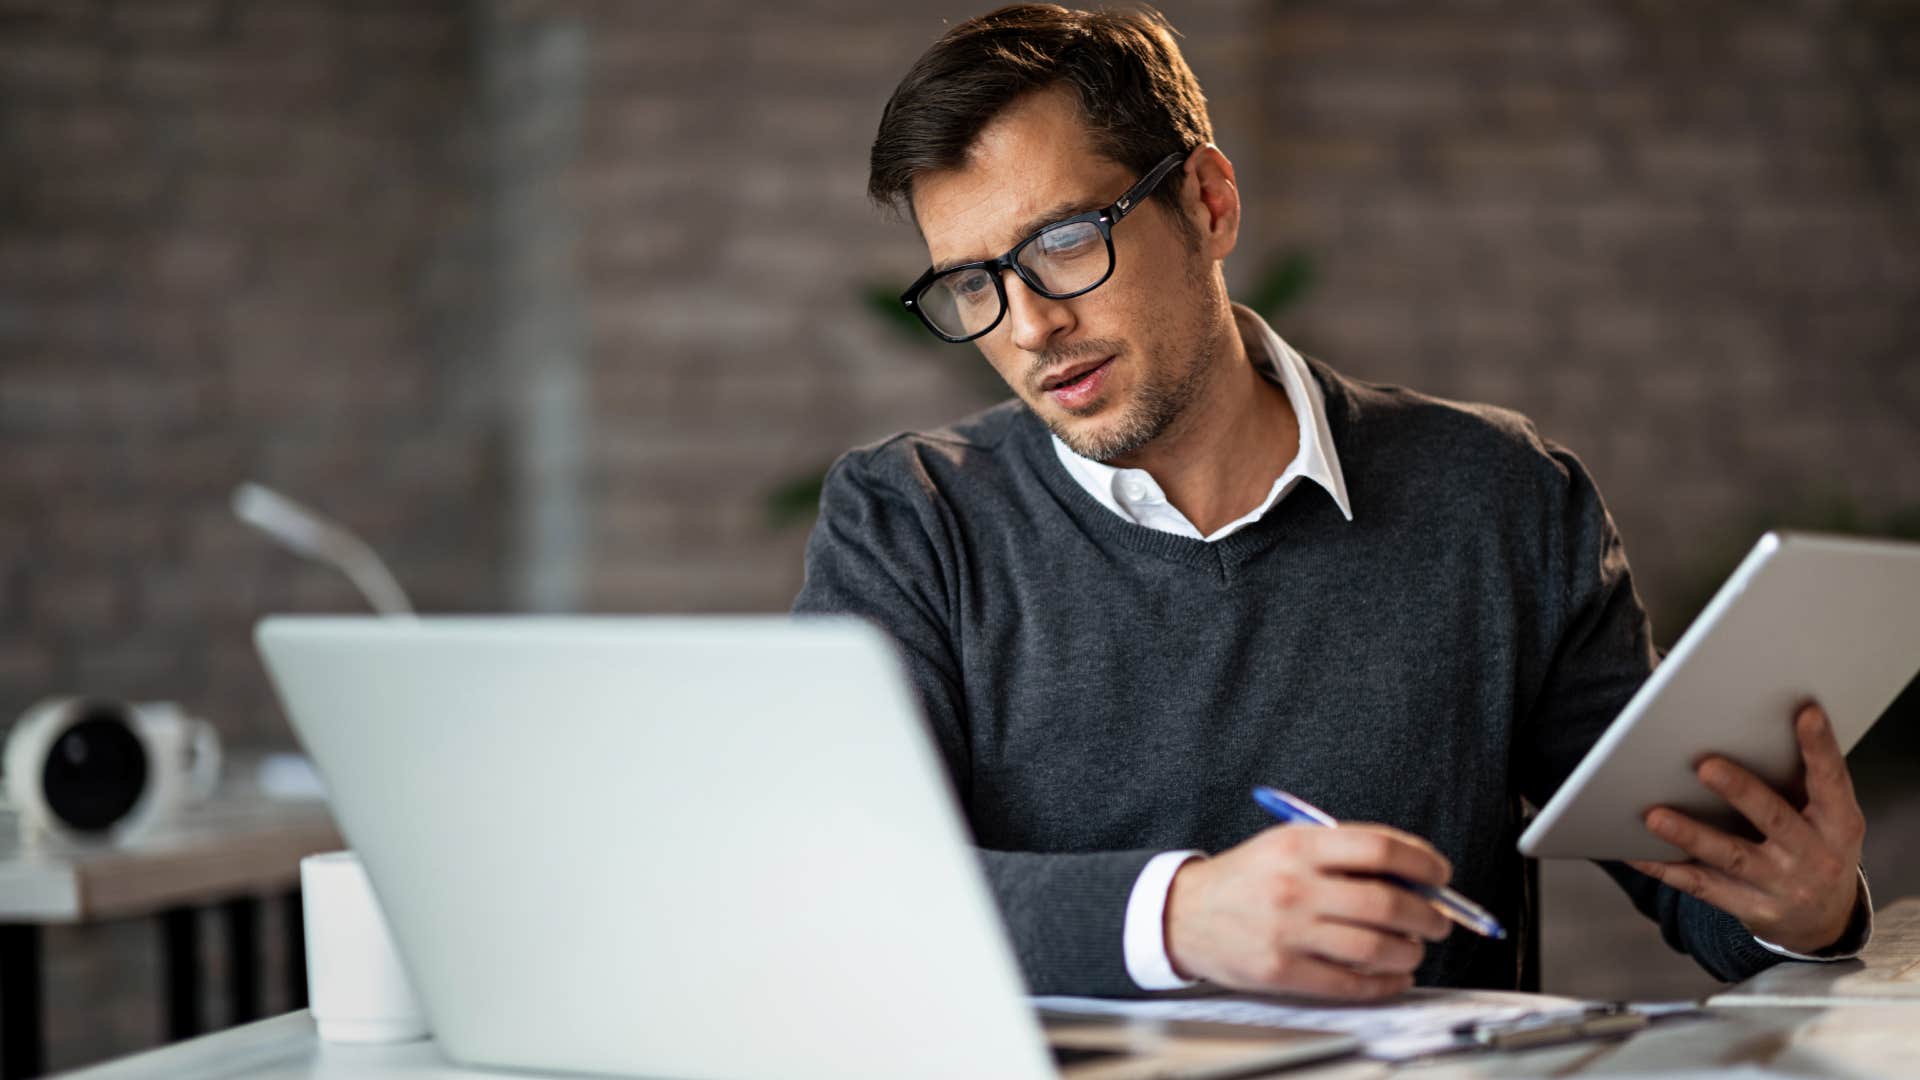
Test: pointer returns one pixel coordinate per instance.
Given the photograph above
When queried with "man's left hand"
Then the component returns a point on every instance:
(1797, 887)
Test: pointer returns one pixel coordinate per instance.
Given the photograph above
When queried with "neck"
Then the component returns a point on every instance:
(1218, 460)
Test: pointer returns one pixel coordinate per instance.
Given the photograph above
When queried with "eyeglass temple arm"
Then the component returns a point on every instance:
(1138, 193)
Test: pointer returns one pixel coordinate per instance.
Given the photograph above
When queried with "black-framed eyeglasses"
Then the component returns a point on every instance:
(1060, 261)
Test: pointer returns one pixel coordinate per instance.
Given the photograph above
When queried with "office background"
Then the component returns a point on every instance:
(564, 305)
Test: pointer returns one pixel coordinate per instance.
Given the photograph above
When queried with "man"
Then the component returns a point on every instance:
(1187, 560)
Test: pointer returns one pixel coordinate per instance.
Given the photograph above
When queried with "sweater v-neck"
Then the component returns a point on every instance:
(1220, 558)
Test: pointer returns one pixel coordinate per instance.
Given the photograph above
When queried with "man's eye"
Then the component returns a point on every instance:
(1076, 239)
(971, 285)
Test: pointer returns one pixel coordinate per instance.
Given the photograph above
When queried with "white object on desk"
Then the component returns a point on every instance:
(358, 990)
(1415, 1024)
(290, 778)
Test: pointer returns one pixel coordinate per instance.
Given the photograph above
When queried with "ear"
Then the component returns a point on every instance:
(1211, 200)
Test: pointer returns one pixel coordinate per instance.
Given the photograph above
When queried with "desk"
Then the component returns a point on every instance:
(226, 851)
(1872, 1039)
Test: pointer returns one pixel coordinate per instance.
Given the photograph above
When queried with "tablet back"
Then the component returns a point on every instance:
(1805, 617)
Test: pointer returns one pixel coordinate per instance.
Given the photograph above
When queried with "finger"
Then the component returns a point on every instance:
(1312, 976)
(1376, 904)
(1365, 949)
(1828, 782)
(1376, 849)
(1732, 855)
(1705, 883)
(1774, 816)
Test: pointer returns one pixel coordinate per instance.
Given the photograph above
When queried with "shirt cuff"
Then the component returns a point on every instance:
(1144, 934)
(1859, 932)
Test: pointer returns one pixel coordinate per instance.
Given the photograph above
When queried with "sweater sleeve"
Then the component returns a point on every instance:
(1600, 653)
(887, 548)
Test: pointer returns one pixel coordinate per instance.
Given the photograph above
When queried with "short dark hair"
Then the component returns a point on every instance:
(1140, 100)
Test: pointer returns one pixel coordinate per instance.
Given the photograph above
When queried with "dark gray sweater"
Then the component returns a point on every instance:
(1102, 691)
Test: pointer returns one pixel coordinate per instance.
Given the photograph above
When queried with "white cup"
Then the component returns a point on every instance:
(356, 988)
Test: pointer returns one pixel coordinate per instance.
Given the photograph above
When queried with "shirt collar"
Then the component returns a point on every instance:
(1316, 460)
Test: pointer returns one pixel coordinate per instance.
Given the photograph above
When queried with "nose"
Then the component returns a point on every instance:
(1034, 319)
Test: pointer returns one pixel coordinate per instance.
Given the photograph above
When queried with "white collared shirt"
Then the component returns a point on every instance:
(1135, 496)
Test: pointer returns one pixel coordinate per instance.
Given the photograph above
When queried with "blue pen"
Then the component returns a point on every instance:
(1295, 811)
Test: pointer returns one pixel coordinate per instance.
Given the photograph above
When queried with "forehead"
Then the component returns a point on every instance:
(1030, 159)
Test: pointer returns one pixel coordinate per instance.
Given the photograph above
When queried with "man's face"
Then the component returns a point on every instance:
(1138, 350)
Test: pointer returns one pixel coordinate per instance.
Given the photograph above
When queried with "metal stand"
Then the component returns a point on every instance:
(180, 952)
(22, 1049)
(294, 925)
(243, 959)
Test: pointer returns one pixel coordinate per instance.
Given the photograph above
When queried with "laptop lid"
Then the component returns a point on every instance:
(669, 846)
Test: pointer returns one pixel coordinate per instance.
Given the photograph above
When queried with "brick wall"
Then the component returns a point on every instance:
(233, 244)
(236, 241)
(263, 240)
(724, 167)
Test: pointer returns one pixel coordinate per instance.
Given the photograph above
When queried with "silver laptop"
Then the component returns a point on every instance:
(691, 847)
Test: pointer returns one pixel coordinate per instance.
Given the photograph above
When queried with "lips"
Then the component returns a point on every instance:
(1068, 374)
(1080, 389)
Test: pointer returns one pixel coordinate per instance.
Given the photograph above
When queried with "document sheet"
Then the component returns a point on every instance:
(1418, 1022)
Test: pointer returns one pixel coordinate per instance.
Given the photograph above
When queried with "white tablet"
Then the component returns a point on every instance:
(1805, 617)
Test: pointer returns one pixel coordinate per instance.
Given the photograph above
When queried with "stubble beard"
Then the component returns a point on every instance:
(1163, 396)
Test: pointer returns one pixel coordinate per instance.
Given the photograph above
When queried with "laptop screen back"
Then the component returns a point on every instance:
(668, 846)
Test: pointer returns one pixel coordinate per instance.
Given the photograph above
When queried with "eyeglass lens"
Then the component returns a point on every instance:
(1064, 259)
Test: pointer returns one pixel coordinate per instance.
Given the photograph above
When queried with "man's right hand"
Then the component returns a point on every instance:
(1291, 911)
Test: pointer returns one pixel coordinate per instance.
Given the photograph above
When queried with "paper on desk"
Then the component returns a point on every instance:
(1418, 1022)
(1717, 1073)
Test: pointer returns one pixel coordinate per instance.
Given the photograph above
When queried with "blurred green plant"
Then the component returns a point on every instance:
(1283, 280)
(1827, 512)
(884, 302)
(795, 500)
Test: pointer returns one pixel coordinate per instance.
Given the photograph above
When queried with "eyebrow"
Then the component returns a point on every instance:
(1032, 225)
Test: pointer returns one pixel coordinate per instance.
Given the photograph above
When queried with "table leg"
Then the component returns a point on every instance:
(1530, 973)
(22, 1045)
(243, 959)
(181, 950)
(295, 924)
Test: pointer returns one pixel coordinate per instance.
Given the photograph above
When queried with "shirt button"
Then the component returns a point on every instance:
(1135, 489)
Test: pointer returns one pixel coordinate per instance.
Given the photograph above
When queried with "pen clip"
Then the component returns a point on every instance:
(1547, 1028)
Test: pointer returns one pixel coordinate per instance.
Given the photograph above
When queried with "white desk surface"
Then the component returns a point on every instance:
(1870, 1039)
(233, 844)
(1863, 1041)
